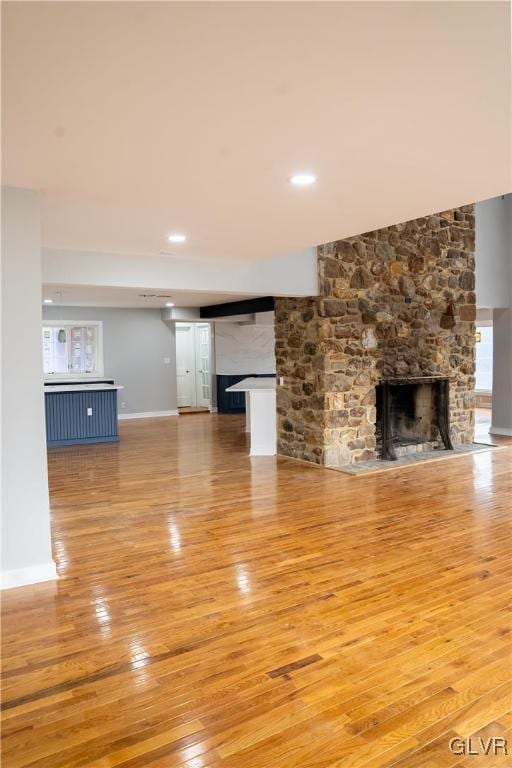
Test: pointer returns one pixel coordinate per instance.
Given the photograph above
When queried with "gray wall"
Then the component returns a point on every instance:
(502, 373)
(493, 257)
(26, 547)
(493, 252)
(135, 343)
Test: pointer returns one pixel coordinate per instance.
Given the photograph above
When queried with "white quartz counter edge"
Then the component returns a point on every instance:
(48, 388)
(251, 384)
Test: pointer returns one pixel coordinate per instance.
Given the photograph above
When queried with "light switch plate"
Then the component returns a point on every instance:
(89, 411)
(167, 360)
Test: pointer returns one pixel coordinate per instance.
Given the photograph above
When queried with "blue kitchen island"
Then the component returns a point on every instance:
(81, 412)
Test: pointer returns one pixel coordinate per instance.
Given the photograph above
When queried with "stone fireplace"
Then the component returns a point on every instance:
(397, 304)
(412, 415)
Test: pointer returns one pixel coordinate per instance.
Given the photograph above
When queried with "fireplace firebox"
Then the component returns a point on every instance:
(412, 415)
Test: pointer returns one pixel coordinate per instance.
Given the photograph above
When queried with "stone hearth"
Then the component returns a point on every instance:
(397, 302)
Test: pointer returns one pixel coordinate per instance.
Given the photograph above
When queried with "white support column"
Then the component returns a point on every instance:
(502, 373)
(263, 422)
(26, 536)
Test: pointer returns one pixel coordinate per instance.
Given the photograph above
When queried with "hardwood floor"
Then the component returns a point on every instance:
(215, 611)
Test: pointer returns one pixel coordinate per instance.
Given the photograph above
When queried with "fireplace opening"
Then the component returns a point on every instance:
(412, 416)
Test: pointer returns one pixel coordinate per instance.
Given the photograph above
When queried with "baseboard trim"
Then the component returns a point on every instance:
(213, 410)
(32, 574)
(501, 431)
(146, 415)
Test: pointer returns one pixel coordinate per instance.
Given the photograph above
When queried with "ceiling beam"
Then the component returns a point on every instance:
(244, 307)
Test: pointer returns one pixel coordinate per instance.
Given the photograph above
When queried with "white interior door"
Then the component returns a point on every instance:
(185, 365)
(203, 374)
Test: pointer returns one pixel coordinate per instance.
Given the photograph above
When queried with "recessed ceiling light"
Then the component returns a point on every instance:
(169, 304)
(47, 301)
(302, 179)
(176, 237)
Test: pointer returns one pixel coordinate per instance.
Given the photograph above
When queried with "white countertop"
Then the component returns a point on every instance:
(252, 383)
(48, 388)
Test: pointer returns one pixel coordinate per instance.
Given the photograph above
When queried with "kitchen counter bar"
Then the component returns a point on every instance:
(81, 412)
(260, 413)
(79, 387)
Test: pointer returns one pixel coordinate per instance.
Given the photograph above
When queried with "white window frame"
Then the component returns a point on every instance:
(98, 324)
(484, 324)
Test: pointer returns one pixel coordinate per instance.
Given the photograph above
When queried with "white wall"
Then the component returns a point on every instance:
(493, 252)
(483, 317)
(136, 343)
(244, 349)
(26, 543)
(294, 274)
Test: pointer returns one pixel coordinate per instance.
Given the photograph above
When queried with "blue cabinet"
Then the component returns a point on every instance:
(233, 402)
(81, 417)
(229, 402)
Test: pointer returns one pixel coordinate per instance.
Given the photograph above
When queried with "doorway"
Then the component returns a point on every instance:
(193, 366)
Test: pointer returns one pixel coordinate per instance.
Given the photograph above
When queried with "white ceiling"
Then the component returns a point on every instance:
(139, 119)
(103, 296)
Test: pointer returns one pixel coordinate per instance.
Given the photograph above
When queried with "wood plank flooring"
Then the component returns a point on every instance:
(217, 611)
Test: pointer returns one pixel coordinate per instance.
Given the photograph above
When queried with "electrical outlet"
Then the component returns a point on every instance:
(123, 404)
(281, 381)
(167, 360)
(89, 411)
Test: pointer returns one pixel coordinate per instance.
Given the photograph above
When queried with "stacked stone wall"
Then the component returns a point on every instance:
(397, 301)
